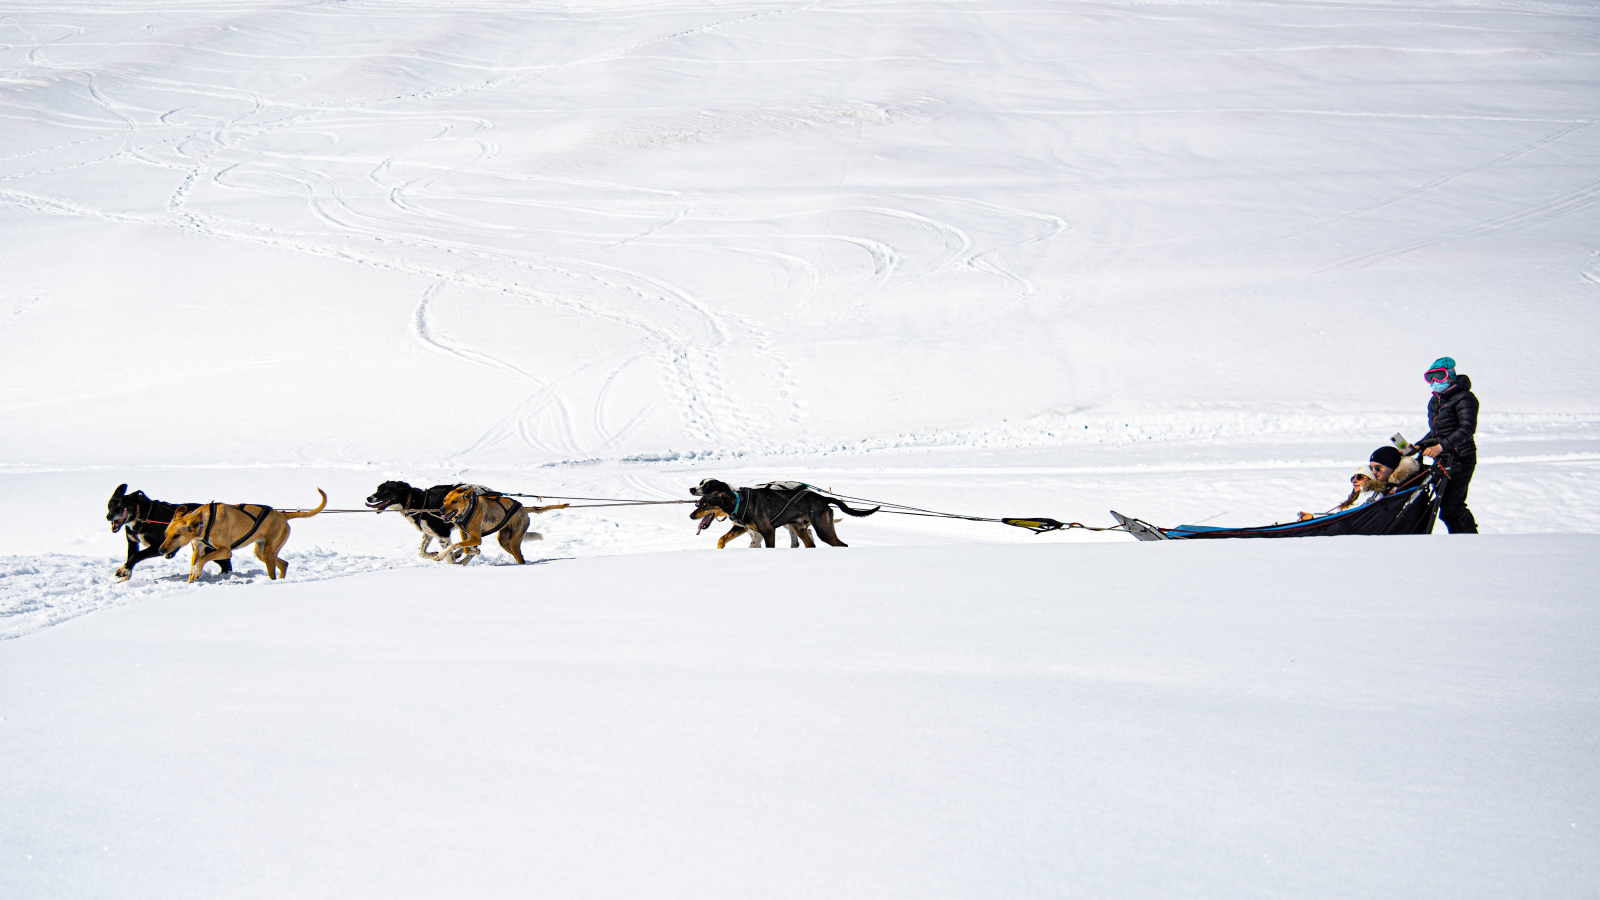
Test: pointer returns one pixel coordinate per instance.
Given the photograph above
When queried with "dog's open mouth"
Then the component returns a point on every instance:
(379, 505)
(121, 520)
(706, 522)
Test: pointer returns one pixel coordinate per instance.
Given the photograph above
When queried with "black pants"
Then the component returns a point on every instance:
(1453, 510)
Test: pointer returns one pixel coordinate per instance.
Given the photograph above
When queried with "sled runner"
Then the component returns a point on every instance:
(1411, 509)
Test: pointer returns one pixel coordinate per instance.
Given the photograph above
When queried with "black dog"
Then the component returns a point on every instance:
(146, 523)
(795, 528)
(410, 501)
(765, 508)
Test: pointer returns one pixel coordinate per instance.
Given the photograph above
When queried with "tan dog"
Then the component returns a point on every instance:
(217, 529)
(480, 512)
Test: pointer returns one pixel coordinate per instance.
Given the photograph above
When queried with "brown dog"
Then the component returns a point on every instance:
(217, 529)
(480, 512)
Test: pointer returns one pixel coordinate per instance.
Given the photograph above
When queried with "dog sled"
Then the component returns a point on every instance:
(1411, 509)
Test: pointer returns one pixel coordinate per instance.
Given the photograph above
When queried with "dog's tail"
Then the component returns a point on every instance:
(854, 512)
(309, 513)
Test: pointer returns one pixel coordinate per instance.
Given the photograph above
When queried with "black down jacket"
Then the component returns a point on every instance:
(1453, 418)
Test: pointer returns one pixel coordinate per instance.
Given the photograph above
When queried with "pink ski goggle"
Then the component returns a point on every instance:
(1436, 376)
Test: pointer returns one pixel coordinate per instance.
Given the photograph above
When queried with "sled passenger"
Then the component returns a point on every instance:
(1452, 421)
(1386, 469)
(1365, 487)
(1361, 483)
(1391, 467)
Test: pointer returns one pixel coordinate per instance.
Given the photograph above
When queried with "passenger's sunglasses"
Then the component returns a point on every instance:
(1436, 376)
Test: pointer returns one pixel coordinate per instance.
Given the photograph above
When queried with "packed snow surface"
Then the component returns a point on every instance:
(1349, 717)
(1009, 258)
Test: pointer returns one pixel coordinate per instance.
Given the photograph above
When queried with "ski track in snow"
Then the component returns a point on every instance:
(48, 589)
(1559, 206)
(42, 590)
(358, 213)
(1443, 180)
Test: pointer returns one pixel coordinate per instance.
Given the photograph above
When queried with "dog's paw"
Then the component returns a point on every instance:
(533, 536)
(124, 573)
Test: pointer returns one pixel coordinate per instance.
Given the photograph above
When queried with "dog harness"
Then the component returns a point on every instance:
(412, 506)
(740, 498)
(782, 485)
(255, 525)
(415, 507)
(467, 515)
(510, 511)
(792, 498)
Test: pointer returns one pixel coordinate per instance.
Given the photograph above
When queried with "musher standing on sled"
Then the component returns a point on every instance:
(1452, 419)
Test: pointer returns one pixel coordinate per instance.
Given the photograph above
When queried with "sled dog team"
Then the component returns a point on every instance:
(214, 530)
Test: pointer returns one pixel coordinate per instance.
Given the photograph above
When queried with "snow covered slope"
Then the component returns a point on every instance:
(394, 233)
(1359, 717)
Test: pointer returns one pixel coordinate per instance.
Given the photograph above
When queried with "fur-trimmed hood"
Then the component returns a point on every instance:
(1408, 469)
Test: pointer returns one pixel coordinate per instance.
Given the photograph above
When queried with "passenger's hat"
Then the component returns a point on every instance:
(1388, 456)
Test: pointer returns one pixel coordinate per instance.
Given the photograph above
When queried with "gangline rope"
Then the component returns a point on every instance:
(1038, 525)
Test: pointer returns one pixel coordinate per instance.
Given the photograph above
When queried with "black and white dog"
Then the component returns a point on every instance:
(410, 502)
(143, 522)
